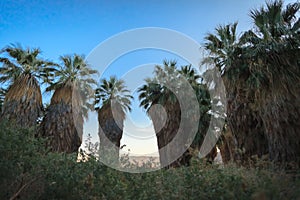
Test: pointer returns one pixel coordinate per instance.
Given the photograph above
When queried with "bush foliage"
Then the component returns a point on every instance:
(29, 171)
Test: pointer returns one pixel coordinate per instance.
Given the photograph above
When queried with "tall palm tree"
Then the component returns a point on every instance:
(112, 100)
(204, 101)
(275, 48)
(158, 91)
(263, 82)
(22, 70)
(63, 121)
(226, 52)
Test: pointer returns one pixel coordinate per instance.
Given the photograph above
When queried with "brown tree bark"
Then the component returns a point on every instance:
(246, 125)
(23, 102)
(166, 127)
(110, 132)
(281, 119)
(227, 146)
(63, 122)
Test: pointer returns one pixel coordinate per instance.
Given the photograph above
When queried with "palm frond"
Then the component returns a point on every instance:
(110, 90)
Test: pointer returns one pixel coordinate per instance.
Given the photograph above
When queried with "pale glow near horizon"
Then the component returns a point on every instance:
(140, 139)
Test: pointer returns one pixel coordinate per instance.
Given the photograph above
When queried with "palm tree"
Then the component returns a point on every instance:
(226, 52)
(274, 45)
(205, 100)
(22, 70)
(155, 91)
(112, 100)
(158, 91)
(63, 121)
(262, 81)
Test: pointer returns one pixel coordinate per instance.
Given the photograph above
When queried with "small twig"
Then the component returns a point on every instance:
(21, 189)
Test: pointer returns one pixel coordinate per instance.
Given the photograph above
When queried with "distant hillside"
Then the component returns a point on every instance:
(140, 160)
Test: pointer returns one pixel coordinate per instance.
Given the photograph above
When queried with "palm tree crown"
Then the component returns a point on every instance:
(222, 46)
(156, 90)
(113, 89)
(18, 60)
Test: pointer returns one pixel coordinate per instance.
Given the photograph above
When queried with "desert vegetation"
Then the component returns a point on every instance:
(259, 142)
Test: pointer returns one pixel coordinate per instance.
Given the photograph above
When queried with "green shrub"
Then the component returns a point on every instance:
(29, 171)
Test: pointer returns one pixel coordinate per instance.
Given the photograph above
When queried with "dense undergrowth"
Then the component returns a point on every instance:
(29, 171)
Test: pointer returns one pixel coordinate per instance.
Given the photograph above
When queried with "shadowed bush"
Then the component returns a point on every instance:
(29, 171)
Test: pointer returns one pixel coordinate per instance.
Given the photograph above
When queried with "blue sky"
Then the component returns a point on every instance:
(66, 27)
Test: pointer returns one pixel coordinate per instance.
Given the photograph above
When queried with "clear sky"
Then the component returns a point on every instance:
(66, 27)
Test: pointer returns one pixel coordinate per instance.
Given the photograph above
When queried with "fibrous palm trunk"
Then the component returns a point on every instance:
(281, 114)
(176, 152)
(227, 146)
(23, 102)
(166, 125)
(280, 106)
(170, 131)
(110, 119)
(245, 123)
(63, 122)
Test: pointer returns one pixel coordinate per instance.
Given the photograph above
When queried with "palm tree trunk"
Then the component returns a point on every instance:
(23, 102)
(110, 133)
(246, 126)
(63, 122)
(165, 135)
(282, 125)
(62, 128)
(227, 146)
